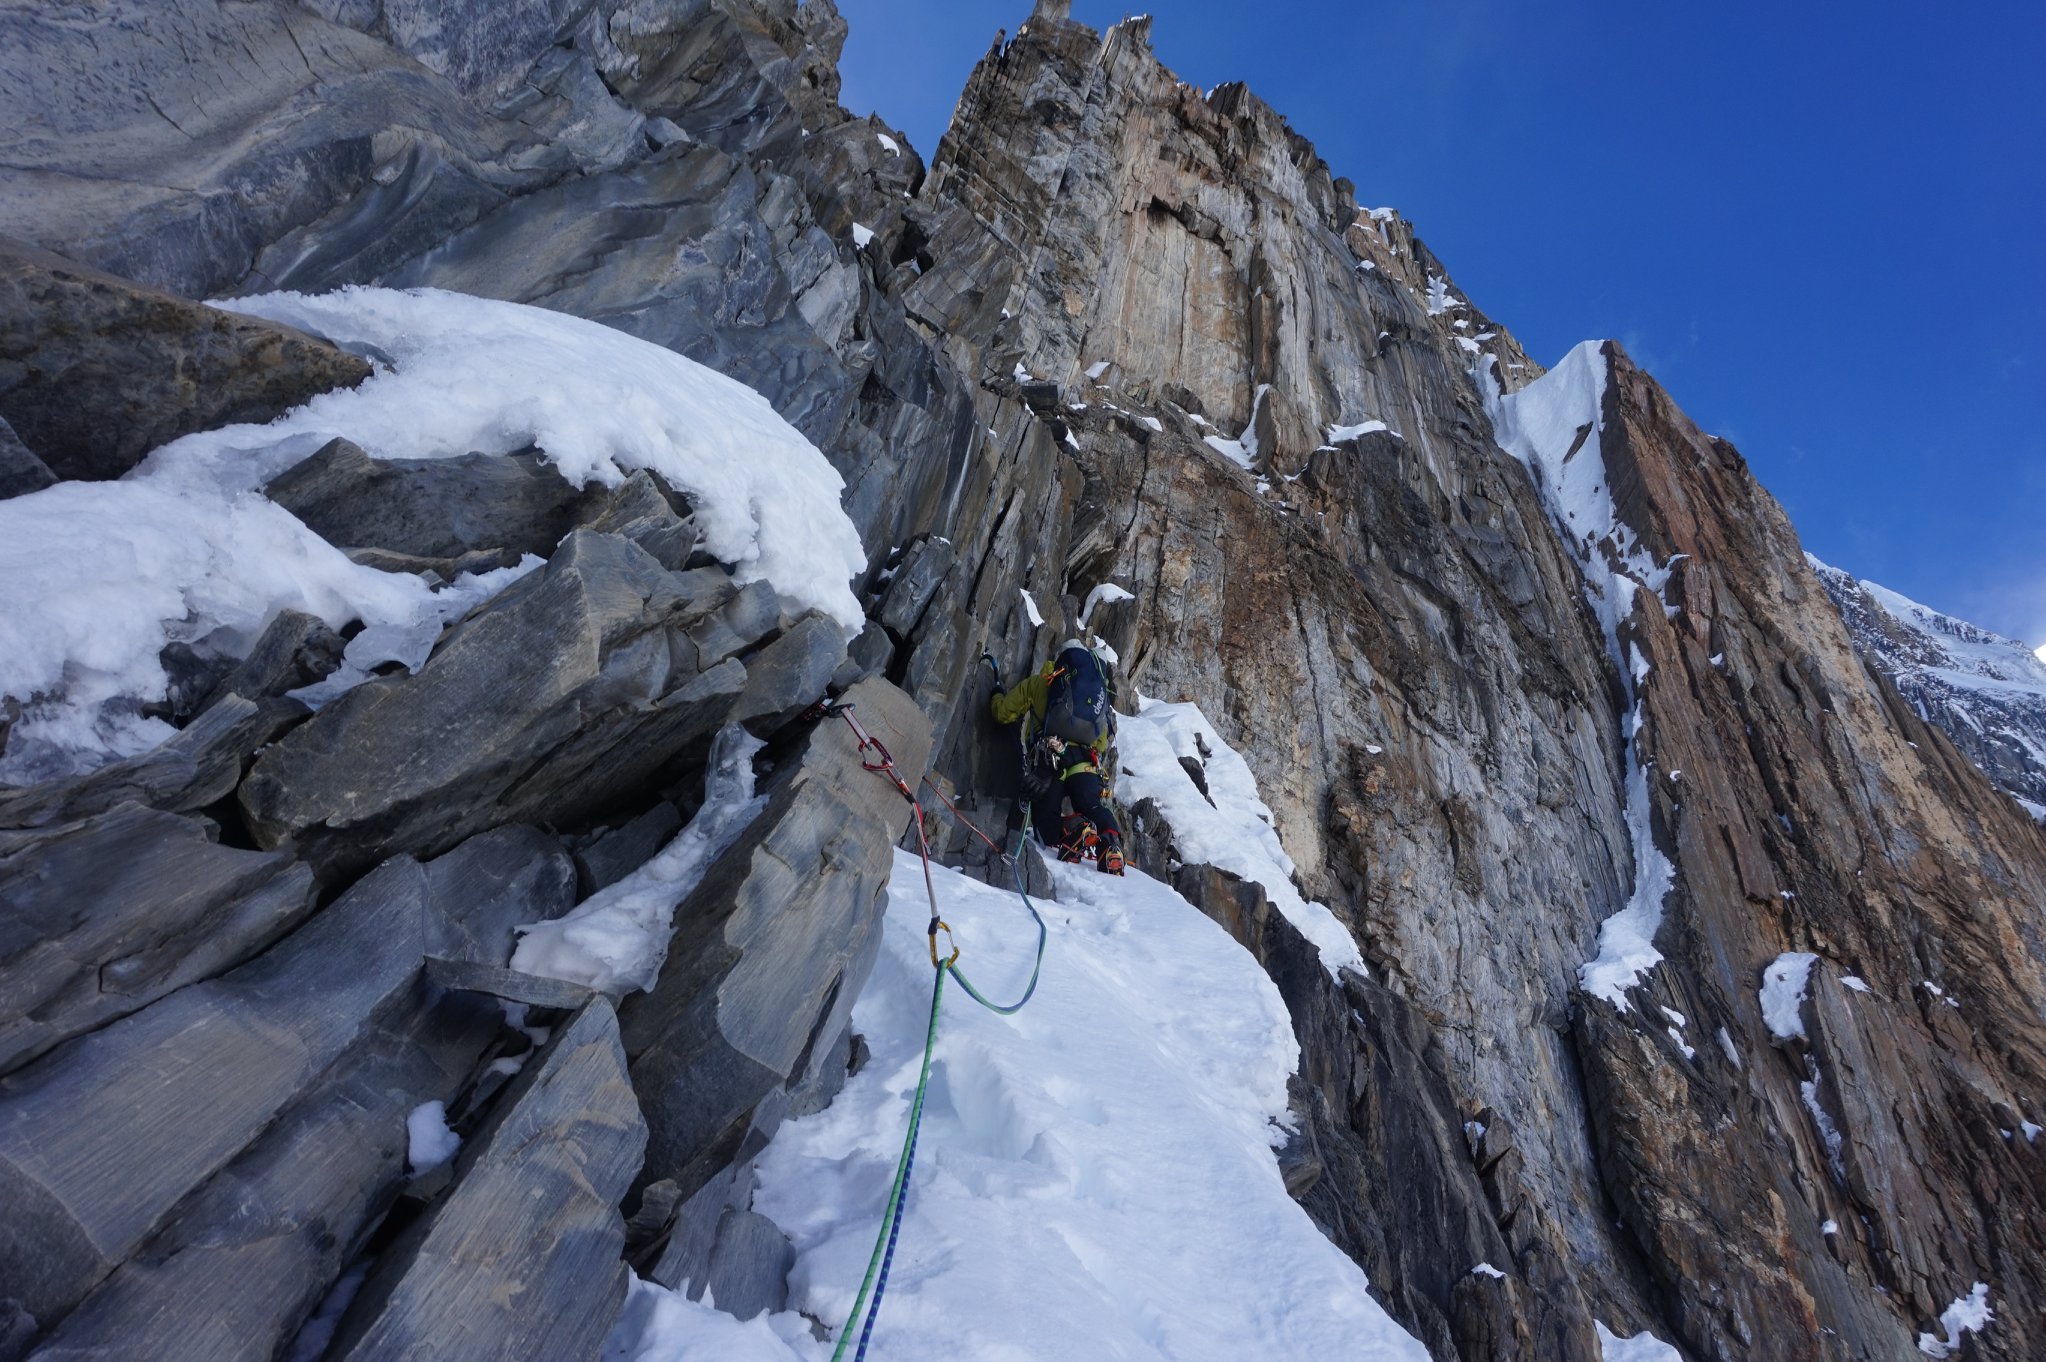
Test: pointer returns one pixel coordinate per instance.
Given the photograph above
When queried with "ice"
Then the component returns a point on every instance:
(1782, 993)
(1230, 827)
(1105, 594)
(894, 147)
(1552, 426)
(1642, 1347)
(616, 940)
(460, 374)
(102, 575)
(1968, 1314)
(1095, 1175)
(432, 1143)
(1030, 609)
(862, 234)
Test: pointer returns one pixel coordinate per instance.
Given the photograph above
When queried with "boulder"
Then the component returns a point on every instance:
(199, 766)
(101, 917)
(553, 702)
(645, 511)
(20, 470)
(790, 674)
(429, 508)
(523, 1259)
(96, 371)
(101, 1139)
(252, 1253)
(772, 947)
(295, 650)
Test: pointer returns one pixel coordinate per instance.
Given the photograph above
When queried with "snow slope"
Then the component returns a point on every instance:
(1095, 1177)
(1986, 691)
(101, 576)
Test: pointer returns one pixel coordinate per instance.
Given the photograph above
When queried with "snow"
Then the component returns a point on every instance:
(1642, 1347)
(1552, 426)
(1782, 993)
(1968, 1314)
(101, 575)
(1338, 434)
(1233, 832)
(616, 940)
(1105, 594)
(466, 374)
(1097, 369)
(1095, 1175)
(1030, 609)
(1243, 449)
(1487, 1270)
(1727, 1047)
(862, 234)
(432, 1143)
(1439, 300)
(1384, 214)
(1830, 1227)
(1153, 422)
(1857, 984)
(1830, 1133)
(894, 147)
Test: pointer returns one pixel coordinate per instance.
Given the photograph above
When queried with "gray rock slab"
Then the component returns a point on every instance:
(739, 624)
(429, 508)
(201, 765)
(254, 1251)
(101, 917)
(773, 946)
(609, 856)
(917, 579)
(102, 1138)
(20, 470)
(96, 371)
(790, 674)
(749, 1265)
(534, 990)
(547, 704)
(867, 655)
(641, 511)
(524, 1257)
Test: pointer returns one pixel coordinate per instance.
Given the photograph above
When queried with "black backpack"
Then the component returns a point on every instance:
(1078, 706)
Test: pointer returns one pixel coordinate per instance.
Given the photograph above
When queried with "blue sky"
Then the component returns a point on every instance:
(1819, 226)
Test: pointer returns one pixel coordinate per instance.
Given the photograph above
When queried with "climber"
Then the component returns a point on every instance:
(1067, 709)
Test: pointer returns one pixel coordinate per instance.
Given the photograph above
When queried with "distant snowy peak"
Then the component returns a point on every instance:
(1986, 691)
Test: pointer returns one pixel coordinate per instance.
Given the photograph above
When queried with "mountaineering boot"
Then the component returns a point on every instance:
(1110, 862)
(1079, 840)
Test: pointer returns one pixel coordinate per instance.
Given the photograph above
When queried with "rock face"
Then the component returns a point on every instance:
(1121, 330)
(96, 371)
(1988, 694)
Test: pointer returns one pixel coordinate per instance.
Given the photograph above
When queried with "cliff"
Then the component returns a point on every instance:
(1546, 702)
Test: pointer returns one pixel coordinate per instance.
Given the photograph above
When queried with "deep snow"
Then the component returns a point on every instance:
(1095, 1177)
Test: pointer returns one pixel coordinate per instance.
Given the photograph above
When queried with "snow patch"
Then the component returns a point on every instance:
(1968, 1314)
(1782, 993)
(894, 148)
(1487, 1270)
(862, 235)
(431, 1142)
(1243, 449)
(1642, 1347)
(1106, 594)
(461, 374)
(1030, 609)
(616, 940)
(1234, 832)
(1097, 368)
(1338, 434)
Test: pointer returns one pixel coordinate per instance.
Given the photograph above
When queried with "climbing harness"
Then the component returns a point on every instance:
(883, 763)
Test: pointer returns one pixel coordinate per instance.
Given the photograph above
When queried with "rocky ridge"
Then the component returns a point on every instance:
(1986, 693)
(1122, 330)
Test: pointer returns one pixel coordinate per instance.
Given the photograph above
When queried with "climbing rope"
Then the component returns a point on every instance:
(883, 1257)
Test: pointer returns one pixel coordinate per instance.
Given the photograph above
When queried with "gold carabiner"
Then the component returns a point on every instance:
(940, 925)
